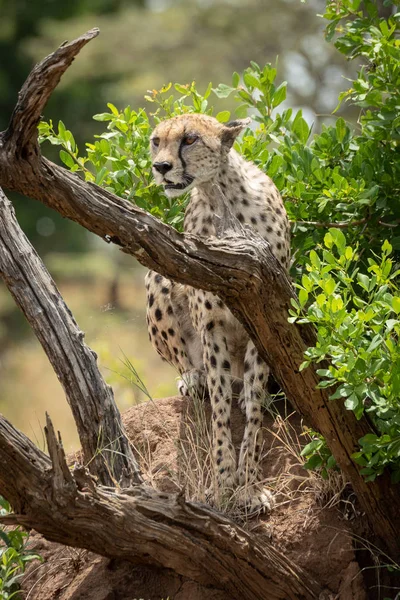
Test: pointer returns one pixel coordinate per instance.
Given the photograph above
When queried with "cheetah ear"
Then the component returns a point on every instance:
(231, 130)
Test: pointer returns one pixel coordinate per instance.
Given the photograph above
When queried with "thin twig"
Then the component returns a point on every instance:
(336, 225)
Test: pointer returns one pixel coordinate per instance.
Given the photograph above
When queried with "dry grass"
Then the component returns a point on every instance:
(289, 484)
(192, 472)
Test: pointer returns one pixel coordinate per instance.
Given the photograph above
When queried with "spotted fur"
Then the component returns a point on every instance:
(192, 329)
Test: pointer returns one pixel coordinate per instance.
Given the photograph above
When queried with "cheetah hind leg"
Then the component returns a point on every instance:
(252, 496)
(265, 405)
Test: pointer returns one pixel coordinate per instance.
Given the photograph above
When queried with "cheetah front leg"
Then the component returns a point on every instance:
(253, 496)
(218, 370)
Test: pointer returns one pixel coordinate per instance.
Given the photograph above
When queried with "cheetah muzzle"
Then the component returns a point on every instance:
(192, 329)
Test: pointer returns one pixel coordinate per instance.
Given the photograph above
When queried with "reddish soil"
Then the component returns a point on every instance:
(315, 537)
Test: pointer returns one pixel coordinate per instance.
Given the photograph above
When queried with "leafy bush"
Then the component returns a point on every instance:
(342, 179)
(14, 556)
(357, 316)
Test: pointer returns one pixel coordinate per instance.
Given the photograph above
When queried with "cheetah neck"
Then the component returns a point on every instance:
(235, 179)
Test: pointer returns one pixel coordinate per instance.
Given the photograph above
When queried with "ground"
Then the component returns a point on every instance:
(310, 525)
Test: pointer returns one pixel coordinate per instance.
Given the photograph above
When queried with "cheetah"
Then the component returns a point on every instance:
(192, 329)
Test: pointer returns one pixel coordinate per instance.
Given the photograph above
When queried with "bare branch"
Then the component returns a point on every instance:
(335, 225)
(62, 481)
(36, 91)
(90, 398)
(391, 225)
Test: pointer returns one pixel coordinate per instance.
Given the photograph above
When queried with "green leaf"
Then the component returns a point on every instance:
(376, 341)
(310, 447)
(275, 165)
(223, 91)
(396, 304)
(338, 239)
(67, 159)
(242, 111)
(113, 109)
(387, 247)
(223, 116)
(348, 253)
(314, 462)
(182, 89)
(352, 402)
(300, 128)
(368, 439)
(250, 80)
(307, 283)
(329, 286)
(363, 280)
(321, 300)
(315, 260)
(341, 129)
(103, 117)
(303, 297)
(61, 130)
(328, 240)
(279, 95)
(331, 462)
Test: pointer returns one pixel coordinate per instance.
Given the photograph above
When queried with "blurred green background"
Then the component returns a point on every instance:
(143, 45)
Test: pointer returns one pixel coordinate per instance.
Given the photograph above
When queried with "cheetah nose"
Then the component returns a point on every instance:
(162, 167)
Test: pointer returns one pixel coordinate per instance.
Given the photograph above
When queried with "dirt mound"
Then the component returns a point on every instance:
(164, 433)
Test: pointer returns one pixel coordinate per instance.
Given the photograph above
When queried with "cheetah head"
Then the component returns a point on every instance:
(188, 150)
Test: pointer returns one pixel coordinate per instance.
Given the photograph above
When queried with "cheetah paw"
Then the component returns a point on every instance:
(192, 383)
(255, 500)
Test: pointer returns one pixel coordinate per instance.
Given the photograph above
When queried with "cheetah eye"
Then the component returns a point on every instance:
(188, 140)
(155, 141)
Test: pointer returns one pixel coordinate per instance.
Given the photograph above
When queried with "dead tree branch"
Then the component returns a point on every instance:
(36, 91)
(240, 269)
(141, 525)
(105, 446)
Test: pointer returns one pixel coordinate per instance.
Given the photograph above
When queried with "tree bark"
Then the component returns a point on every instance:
(240, 269)
(140, 524)
(106, 449)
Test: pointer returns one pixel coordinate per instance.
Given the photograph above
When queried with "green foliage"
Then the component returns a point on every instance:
(318, 455)
(14, 556)
(350, 294)
(357, 317)
(340, 179)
